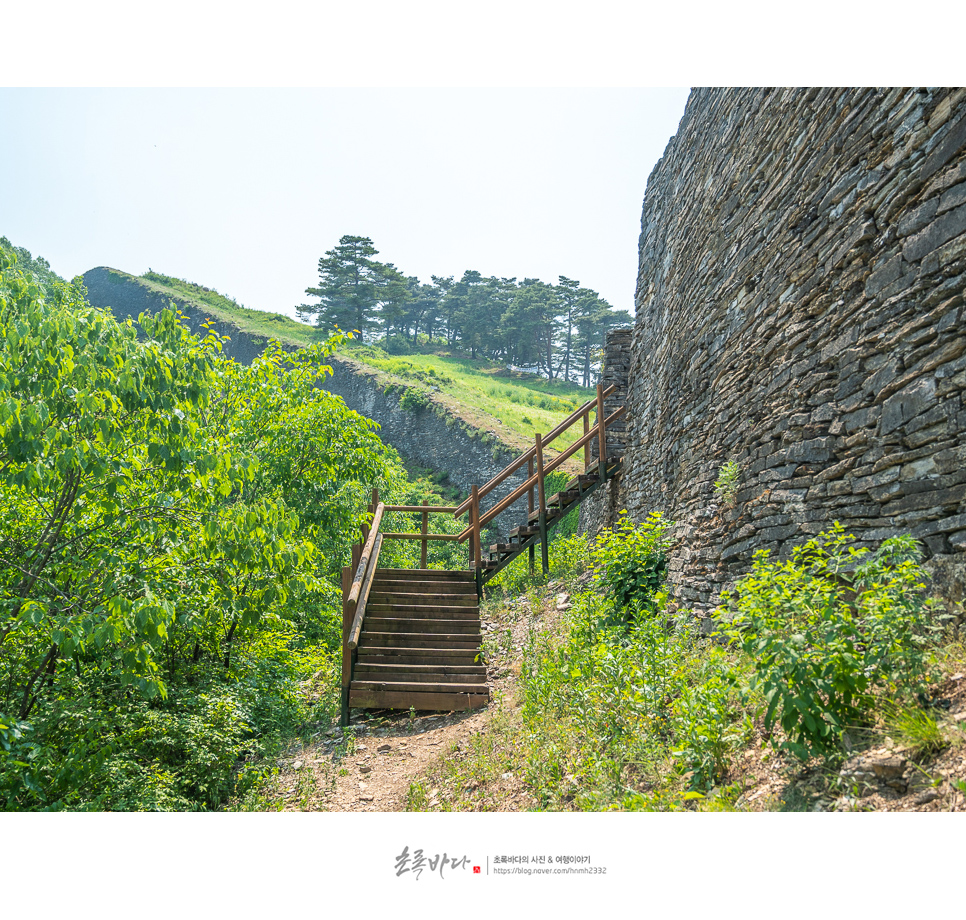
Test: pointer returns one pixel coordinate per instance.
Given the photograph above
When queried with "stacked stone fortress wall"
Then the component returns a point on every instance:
(799, 311)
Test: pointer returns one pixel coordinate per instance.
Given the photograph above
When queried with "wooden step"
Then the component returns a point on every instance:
(432, 676)
(419, 686)
(421, 611)
(421, 575)
(404, 586)
(552, 515)
(420, 640)
(524, 532)
(430, 625)
(375, 655)
(386, 671)
(414, 599)
(404, 699)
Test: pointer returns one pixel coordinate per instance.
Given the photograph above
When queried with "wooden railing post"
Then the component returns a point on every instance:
(346, 652)
(587, 445)
(423, 553)
(477, 541)
(601, 434)
(542, 495)
(532, 551)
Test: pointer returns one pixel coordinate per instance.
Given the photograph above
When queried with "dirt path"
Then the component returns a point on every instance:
(370, 765)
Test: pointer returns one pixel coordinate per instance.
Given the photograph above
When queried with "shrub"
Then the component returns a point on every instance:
(726, 485)
(828, 628)
(414, 399)
(631, 560)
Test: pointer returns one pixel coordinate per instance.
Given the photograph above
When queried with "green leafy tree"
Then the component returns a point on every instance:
(157, 587)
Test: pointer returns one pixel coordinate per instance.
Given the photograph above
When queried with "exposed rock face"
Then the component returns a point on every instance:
(438, 442)
(800, 311)
(441, 443)
(126, 299)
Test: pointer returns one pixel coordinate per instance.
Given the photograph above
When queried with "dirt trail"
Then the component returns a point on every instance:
(370, 765)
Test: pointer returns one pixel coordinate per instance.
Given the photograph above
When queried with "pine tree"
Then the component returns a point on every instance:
(351, 283)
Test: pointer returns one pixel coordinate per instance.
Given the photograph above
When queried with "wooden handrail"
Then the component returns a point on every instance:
(352, 602)
(366, 585)
(418, 509)
(549, 468)
(532, 452)
(421, 536)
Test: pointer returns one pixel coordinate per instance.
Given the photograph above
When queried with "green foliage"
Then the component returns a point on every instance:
(828, 629)
(726, 485)
(912, 727)
(413, 399)
(631, 560)
(164, 612)
(639, 716)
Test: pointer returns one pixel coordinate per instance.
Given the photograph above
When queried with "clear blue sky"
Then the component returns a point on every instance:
(244, 189)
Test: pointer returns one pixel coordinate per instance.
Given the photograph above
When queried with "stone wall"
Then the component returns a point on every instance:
(431, 438)
(800, 311)
(602, 507)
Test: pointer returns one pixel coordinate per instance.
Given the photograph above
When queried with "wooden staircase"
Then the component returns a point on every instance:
(411, 638)
(420, 643)
(527, 536)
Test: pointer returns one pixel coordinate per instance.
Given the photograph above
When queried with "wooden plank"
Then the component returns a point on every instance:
(420, 686)
(413, 625)
(431, 588)
(399, 656)
(431, 641)
(425, 531)
(418, 509)
(420, 574)
(427, 677)
(363, 565)
(427, 599)
(423, 611)
(411, 668)
(438, 702)
(421, 536)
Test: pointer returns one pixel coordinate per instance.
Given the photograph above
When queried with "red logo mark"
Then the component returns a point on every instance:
(476, 870)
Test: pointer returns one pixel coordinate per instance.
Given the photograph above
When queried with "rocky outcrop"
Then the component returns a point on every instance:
(800, 311)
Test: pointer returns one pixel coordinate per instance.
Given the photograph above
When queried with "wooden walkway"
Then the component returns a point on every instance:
(411, 638)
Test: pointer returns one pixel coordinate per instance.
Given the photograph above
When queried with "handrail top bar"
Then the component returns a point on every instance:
(529, 454)
(360, 573)
(432, 509)
(360, 611)
(420, 536)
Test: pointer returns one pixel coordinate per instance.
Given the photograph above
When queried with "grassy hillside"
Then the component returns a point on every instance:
(255, 322)
(510, 405)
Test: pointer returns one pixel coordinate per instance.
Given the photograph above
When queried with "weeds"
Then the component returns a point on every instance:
(726, 485)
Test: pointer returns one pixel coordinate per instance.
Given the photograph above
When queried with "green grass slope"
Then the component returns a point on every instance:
(510, 405)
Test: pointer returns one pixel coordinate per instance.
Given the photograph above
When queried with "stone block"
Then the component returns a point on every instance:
(907, 404)
(941, 230)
